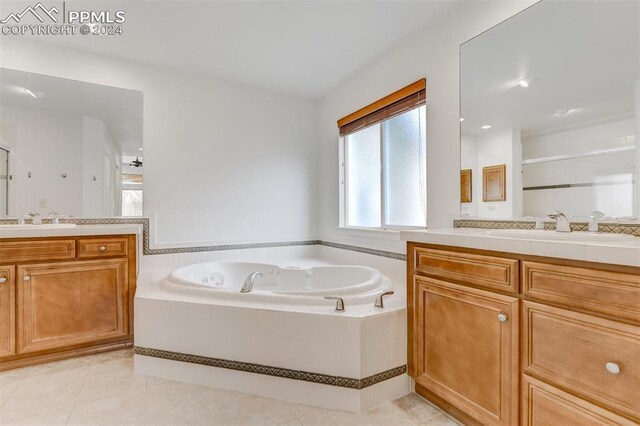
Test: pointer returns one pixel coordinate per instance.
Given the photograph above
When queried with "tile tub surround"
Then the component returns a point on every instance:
(104, 390)
(352, 346)
(619, 253)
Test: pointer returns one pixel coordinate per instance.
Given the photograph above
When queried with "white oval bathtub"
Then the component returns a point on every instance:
(298, 285)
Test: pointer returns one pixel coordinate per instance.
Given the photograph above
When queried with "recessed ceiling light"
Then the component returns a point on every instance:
(34, 94)
(562, 112)
(522, 83)
(461, 119)
(486, 127)
(140, 149)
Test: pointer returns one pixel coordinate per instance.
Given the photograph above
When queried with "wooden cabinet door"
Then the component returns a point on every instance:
(465, 348)
(66, 304)
(7, 311)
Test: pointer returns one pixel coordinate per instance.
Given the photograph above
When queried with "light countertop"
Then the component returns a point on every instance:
(79, 230)
(614, 252)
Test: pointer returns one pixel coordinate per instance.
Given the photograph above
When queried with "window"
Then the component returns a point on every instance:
(383, 176)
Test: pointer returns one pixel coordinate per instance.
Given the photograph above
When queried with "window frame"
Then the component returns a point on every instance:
(343, 182)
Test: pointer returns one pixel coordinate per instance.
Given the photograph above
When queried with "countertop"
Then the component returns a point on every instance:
(614, 252)
(79, 230)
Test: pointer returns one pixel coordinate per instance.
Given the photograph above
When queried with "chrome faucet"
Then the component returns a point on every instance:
(562, 223)
(54, 217)
(339, 302)
(247, 287)
(380, 299)
(539, 222)
(593, 220)
(35, 218)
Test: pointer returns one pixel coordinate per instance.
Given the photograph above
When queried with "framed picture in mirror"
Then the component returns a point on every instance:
(494, 183)
(466, 192)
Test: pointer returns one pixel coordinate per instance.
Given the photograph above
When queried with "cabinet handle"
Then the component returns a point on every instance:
(102, 248)
(26, 278)
(3, 280)
(502, 317)
(612, 367)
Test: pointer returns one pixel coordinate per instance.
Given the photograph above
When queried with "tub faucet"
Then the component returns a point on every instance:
(339, 302)
(35, 218)
(247, 287)
(562, 223)
(380, 299)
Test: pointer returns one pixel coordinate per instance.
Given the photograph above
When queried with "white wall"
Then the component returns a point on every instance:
(432, 54)
(223, 162)
(47, 144)
(613, 200)
(101, 178)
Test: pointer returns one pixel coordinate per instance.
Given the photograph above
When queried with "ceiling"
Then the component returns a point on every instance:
(578, 56)
(120, 109)
(300, 47)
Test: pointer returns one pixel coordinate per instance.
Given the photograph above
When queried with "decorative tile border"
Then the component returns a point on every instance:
(146, 250)
(374, 252)
(325, 379)
(613, 228)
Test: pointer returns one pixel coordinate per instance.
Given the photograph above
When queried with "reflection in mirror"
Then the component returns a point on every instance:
(554, 94)
(69, 147)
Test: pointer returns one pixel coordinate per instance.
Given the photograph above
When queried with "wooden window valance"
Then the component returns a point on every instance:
(409, 97)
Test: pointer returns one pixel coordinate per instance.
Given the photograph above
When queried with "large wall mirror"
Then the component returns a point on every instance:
(69, 147)
(552, 98)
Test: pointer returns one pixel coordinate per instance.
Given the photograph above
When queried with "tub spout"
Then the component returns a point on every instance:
(247, 287)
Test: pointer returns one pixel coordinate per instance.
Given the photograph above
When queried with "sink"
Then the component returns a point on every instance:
(43, 226)
(539, 234)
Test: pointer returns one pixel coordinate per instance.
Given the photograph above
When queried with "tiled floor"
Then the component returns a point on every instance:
(103, 390)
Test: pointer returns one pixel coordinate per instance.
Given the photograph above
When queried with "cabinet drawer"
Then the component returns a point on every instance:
(102, 247)
(611, 293)
(544, 404)
(485, 271)
(581, 353)
(36, 250)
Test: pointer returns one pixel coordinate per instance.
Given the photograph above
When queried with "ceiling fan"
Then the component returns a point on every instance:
(136, 163)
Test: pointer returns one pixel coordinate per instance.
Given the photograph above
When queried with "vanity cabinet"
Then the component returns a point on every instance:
(475, 331)
(503, 339)
(7, 311)
(75, 298)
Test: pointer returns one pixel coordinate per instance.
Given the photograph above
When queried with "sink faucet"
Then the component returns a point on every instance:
(35, 218)
(539, 222)
(562, 223)
(247, 287)
(54, 217)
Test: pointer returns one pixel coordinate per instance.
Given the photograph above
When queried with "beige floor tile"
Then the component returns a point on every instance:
(54, 418)
(7, 386)
(120, 410)
(115, 382)
(106, 365)
(171, 398)
(204, 415)
(240, 409)
(442, 420)
(335, 418)
(408, 410)
(43, 393)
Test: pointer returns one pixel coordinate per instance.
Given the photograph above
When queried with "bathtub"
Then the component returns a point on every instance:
(296, 285)
(283, 339)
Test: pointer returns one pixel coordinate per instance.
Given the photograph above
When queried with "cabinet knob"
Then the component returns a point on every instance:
(3, 280)
(102, 248)
(612, 367)
(502, 317)
(26, 278)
